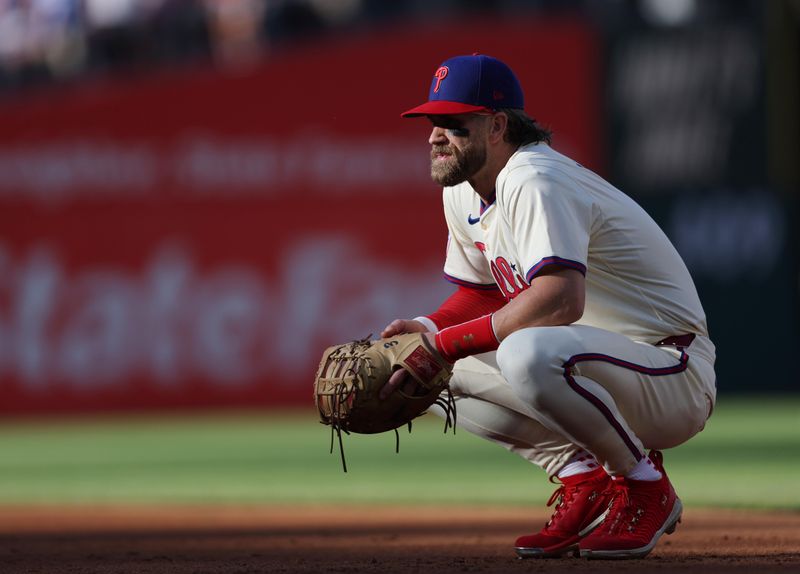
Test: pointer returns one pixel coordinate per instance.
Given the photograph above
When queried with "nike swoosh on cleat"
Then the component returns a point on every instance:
(472, 221)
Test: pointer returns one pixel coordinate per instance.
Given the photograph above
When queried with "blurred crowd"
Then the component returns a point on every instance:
(42, 41)
(46, 40)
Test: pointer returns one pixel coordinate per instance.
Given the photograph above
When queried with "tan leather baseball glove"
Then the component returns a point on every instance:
(350, 377)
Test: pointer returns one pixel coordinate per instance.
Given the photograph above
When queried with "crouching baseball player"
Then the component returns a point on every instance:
(577, 335)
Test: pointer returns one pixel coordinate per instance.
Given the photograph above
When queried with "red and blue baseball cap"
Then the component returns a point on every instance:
(468, 85)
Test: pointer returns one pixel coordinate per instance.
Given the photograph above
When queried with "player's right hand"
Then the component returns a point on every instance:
(400, 326)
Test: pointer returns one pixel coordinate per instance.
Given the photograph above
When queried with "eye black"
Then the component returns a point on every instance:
(458, 132)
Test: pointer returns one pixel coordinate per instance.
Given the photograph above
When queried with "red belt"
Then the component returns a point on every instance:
(678, 341)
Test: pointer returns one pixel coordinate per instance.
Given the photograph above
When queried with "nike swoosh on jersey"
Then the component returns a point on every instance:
(472, 221)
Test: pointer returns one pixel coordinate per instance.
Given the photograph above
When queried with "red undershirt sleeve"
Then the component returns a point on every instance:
(467, 304)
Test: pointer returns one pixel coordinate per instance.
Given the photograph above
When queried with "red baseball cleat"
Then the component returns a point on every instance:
(582, 502)
(640, 512)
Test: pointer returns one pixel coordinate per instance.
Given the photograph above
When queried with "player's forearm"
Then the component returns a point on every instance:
(467, 304)
(554, 299)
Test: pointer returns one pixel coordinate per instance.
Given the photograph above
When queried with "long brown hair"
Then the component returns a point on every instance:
(522, 129)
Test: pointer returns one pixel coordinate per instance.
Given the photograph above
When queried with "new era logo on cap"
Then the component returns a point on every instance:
(469, 84)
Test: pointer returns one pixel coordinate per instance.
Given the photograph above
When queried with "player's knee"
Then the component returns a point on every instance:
(526, 353)
(531, 365)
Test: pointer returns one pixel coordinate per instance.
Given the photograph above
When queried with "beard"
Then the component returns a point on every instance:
(459, 167)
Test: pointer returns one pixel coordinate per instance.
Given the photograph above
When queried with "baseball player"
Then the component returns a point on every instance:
(577, 334)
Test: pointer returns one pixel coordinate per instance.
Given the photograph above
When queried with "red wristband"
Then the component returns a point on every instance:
(470, 338)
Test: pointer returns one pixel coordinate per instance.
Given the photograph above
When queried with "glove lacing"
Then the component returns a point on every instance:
(341, 394)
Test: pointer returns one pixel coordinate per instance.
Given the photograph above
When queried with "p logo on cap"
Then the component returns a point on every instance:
(440, 75)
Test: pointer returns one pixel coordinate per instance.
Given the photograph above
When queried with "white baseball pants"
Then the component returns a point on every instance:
(549, 391)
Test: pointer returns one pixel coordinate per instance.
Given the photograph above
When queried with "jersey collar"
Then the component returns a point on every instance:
(485, 206)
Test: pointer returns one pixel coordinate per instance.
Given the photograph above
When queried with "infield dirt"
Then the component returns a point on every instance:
(430, 540)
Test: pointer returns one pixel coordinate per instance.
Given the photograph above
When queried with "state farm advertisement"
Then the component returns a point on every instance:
(195, 238)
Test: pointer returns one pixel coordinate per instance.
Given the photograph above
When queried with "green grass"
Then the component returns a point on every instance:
(748, 456)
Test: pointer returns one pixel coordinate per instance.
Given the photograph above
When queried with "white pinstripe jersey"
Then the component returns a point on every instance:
(549, 209)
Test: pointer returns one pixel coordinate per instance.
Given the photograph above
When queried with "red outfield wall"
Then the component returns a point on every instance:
(196, 238)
